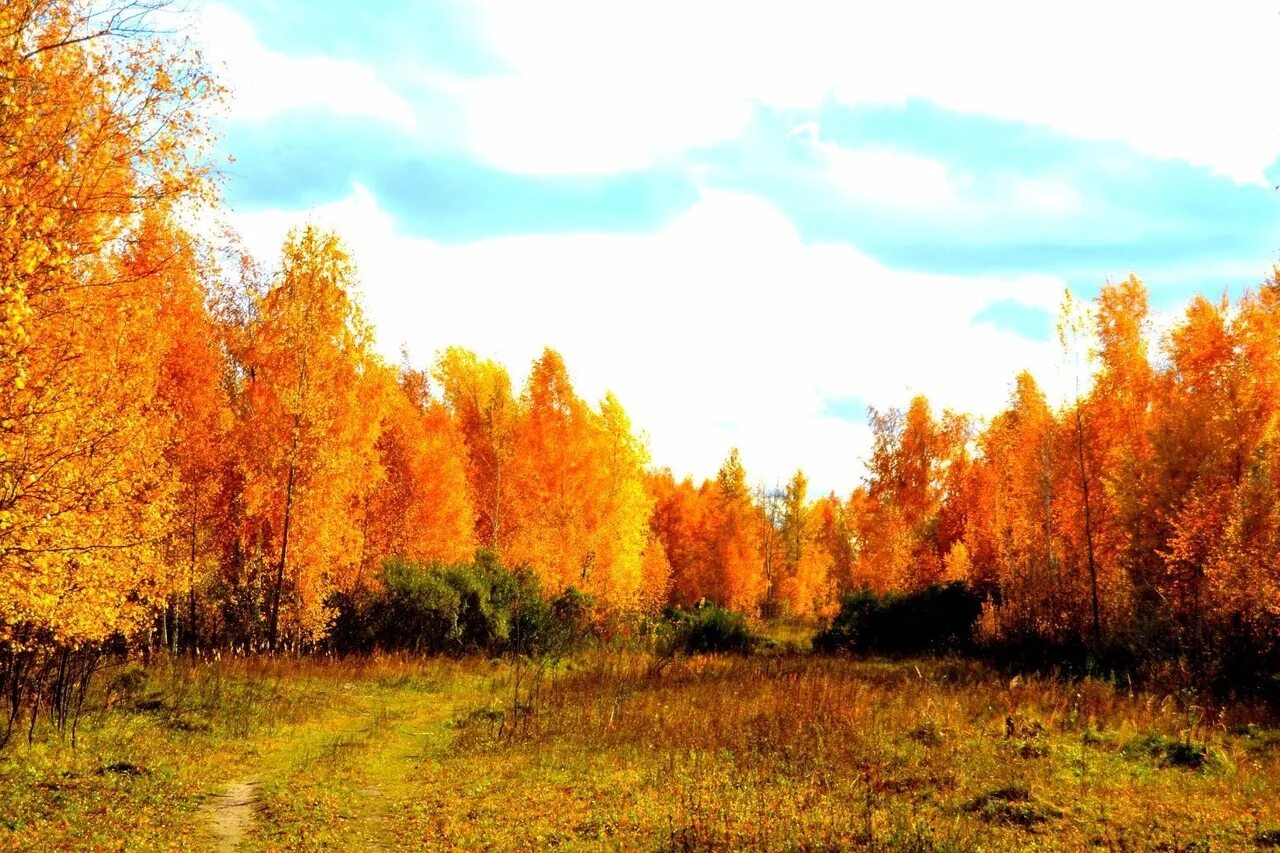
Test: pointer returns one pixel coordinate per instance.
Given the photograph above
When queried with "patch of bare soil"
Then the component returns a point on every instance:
(230, 814)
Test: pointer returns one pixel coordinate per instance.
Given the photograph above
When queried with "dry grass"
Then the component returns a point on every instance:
(817, 753)
(615, 750)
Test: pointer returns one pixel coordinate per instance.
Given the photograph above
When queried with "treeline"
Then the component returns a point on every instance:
(1140, 518)
(265, 461)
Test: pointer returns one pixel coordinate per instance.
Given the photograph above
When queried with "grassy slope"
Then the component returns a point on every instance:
(614, 751)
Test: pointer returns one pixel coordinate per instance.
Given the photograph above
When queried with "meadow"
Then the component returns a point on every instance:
(622, 749)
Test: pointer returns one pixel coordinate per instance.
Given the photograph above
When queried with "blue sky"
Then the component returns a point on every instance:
(753, 222)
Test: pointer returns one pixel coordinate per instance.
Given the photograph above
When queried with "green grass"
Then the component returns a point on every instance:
(319, 736)
(614, 751)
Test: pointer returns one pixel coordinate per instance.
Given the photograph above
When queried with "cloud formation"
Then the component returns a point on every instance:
(606, 86)
(266, 83)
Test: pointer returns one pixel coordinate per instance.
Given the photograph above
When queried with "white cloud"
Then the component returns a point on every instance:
(901, 179)
(265, 83)
(605, 86)
(892, 178)
(1045, 195)
(723, 329)
(562, 129)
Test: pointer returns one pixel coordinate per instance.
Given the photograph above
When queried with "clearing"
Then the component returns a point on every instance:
(616, 750)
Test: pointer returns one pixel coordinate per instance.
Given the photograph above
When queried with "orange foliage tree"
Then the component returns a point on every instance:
(578, 491)
(901, 539)
(306, 436)
(478, 396)
(103, 132)
(418, 507)
(678, 525)
(193, 384)
(811, 546)
(737, 570)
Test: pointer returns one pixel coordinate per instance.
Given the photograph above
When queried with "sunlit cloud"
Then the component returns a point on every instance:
(267, 83)
(621, 85)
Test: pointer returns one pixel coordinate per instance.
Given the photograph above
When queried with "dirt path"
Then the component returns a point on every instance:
(349, 779)
(230, 814)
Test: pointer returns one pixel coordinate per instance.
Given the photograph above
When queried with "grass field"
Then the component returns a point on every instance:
(618, 750)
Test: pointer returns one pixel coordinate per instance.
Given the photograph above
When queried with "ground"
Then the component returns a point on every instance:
(615, 749)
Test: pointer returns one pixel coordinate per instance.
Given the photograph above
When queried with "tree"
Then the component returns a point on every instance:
(552, 479)
(907, 485)
(306, 438)
(618, 514)
(1015, 523)
(418, 506)
(578, 490)
(834, 537)
(773, 558)
(679, 526)
(478, 396)
(738, 572)
(102, 122)
(1072, 324)
(1242, 578)
(809, 578)
(192, 384)
(1121, 402)
(103, 135)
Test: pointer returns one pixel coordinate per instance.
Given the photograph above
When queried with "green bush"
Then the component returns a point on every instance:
(707, 628)
(1170, 752)
(477, 607)
(423, 609)
(938, 618)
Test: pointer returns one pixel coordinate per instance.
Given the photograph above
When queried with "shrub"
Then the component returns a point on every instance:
(938, 618)
(1011, 805)
(707, 628)
(542, 628)
(474, 607)
(423, 609)
(355, 625)
(1170, 752)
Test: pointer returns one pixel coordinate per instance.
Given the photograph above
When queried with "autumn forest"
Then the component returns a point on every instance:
(203, 458)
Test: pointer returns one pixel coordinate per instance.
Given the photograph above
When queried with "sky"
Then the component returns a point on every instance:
(753, 221)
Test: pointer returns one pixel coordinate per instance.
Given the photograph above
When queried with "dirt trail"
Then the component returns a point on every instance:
(348, 780)
(231, 814)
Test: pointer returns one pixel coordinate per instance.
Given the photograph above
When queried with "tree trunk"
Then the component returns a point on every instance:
(192, 634)
(1088, 527)
(171, 625)
(274, 621)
